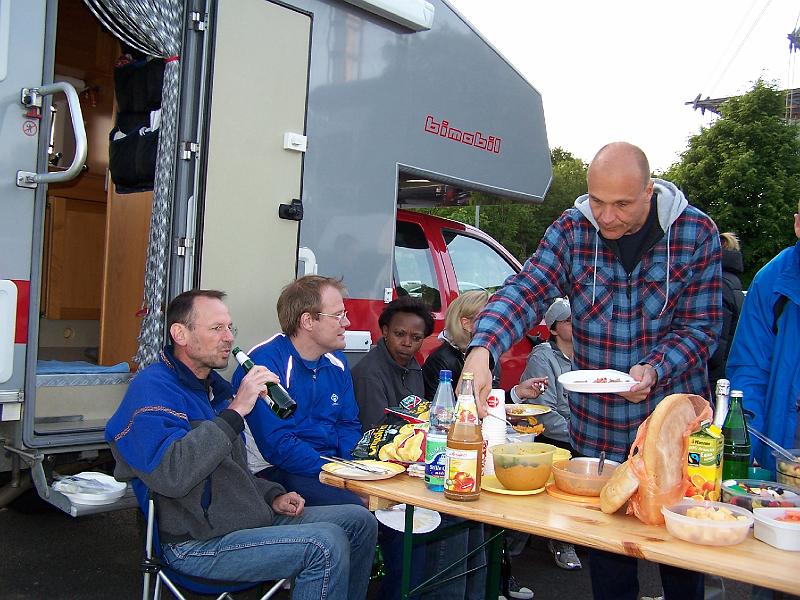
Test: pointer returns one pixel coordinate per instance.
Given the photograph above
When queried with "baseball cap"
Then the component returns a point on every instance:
(558, 311)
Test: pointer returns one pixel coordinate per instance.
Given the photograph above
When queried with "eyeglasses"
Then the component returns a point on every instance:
(338, 316)
(220, 329)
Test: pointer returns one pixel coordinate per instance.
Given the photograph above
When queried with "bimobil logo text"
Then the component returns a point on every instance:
(476, 139)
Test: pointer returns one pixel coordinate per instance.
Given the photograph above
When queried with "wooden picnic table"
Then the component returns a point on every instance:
(752, 561)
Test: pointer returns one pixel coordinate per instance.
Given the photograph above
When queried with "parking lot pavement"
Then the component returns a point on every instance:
(55, 557)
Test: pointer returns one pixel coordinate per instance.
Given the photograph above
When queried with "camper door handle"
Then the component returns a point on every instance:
(33, 97)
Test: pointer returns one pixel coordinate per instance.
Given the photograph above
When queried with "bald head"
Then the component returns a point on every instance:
(621, 158)
(619, 189)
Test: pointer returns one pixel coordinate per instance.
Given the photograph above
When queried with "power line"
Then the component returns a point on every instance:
(746, 37)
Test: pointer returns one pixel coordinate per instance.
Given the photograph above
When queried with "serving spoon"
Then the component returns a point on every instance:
(774, 445)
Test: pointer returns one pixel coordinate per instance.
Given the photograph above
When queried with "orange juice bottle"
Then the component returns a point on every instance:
(464, 451)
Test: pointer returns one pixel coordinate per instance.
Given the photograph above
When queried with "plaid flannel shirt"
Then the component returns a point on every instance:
(618, 320)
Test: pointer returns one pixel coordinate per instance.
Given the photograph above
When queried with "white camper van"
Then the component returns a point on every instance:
(288, 134)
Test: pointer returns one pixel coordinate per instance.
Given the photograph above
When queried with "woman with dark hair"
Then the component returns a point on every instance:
(390, 371)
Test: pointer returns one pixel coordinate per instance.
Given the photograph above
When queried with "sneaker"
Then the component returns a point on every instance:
(564, 554)
(515, 591)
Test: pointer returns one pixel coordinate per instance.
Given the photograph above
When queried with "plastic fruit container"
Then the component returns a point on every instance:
(781, 534)
(788, 472)
(579, 475)
(757, 493)
(706, 531)
(523, 466)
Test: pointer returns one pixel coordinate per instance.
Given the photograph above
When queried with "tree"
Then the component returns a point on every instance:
(744, 171)
(517, 226)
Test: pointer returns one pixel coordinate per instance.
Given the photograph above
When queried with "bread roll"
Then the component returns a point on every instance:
(616, 492)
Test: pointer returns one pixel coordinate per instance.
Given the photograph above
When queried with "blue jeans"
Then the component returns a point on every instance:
(325, 549)
(442, 553)
(614, 577)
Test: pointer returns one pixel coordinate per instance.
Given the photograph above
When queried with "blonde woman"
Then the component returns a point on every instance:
(456, 335)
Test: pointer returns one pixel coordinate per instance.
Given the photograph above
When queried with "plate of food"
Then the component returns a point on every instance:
(371, 470)
(521, 411)
(597, 381)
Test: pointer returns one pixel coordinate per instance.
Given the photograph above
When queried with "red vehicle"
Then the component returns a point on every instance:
(436, 259)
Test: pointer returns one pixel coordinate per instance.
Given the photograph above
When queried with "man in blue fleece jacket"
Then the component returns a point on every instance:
(308, 359)
(178, 434)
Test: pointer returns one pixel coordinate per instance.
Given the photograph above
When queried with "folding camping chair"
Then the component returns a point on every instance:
(153, 566)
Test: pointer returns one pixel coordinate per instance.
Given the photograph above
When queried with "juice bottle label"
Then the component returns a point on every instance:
(466, 411)
(704, 465)
(461, 470)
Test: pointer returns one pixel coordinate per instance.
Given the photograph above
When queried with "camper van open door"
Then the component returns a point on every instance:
(254, 161)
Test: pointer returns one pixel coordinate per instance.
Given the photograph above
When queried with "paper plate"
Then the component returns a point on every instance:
(108, 491)
(491, 483)
(597, 381)
(526, 410)
(347, 472)
(425, 520)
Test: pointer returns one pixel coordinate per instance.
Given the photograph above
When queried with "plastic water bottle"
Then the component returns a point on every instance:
(441, 417)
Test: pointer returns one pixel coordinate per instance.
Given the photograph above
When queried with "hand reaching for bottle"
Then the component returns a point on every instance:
(253, 385)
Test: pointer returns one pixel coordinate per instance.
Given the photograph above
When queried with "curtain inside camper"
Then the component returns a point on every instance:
(155, 28)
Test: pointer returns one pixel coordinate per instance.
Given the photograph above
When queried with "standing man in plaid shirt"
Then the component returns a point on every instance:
(642, 270)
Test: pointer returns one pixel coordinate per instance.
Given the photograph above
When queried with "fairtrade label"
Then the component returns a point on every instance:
(461, 470)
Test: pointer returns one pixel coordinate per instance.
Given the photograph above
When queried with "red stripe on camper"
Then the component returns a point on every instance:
(23, 303)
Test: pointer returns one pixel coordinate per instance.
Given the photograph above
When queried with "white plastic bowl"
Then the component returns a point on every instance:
(781, 534)
(703, 531)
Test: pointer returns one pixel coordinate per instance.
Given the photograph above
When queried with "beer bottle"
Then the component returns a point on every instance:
(464, 451)
(278, 400)
(736, 453)
(440, 421)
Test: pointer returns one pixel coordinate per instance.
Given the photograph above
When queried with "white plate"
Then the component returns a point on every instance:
(425, 520)
(587, 381)
(347, 472)
(112, 490)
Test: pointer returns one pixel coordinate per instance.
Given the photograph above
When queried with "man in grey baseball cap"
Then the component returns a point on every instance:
(559, 311)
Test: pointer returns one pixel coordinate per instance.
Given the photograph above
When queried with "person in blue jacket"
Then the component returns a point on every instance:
(763, 361)
(307, 357)
(176, 435)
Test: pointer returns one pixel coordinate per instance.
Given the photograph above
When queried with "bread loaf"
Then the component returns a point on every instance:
(657, 459)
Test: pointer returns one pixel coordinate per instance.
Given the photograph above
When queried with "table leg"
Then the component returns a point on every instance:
(494, 557)
(408, 545)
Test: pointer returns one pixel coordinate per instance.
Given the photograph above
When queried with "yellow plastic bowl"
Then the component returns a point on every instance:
(523, 466)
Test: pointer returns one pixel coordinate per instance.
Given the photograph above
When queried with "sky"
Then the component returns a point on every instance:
(613, 70)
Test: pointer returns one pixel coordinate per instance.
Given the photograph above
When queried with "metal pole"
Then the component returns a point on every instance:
(478, 216)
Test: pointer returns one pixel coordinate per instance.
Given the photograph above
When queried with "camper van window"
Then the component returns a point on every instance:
(414, 272)
(476, 264)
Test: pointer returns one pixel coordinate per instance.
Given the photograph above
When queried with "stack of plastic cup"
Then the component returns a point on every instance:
(493, 429)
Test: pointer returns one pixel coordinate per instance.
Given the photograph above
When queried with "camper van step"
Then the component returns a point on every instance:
(61, 502)
(58, 427)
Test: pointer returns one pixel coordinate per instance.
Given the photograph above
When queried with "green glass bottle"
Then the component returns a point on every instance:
(279, 400)
(736, 452)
